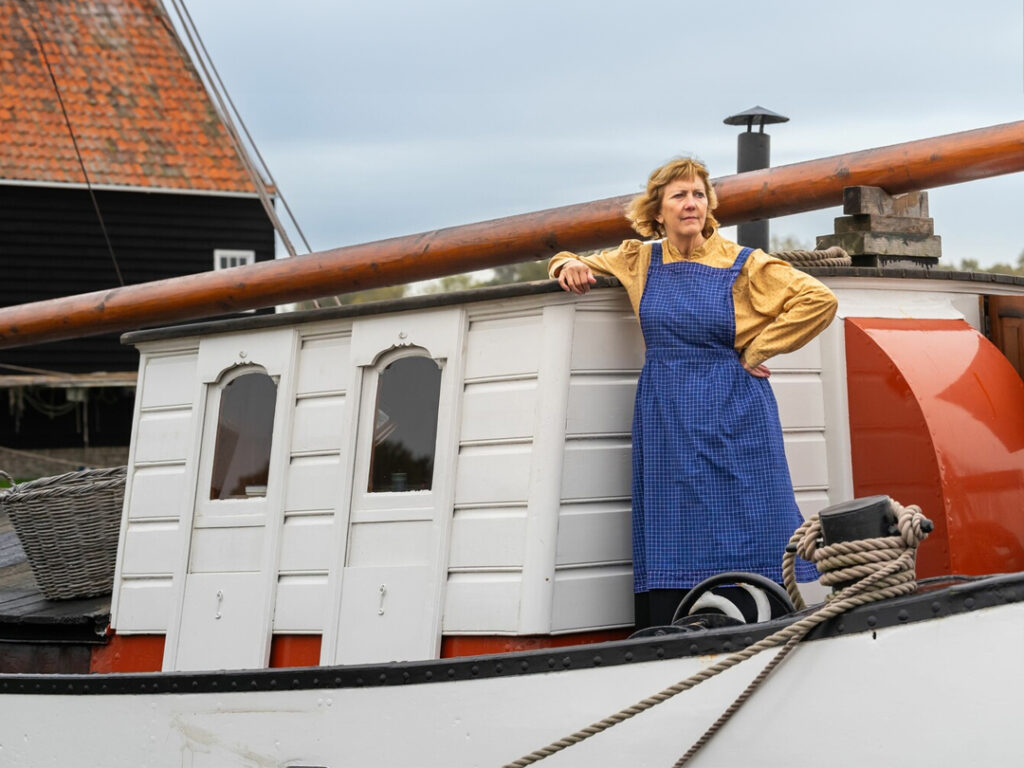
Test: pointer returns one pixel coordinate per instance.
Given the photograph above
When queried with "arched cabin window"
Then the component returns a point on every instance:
(405, 427)
(245, 425)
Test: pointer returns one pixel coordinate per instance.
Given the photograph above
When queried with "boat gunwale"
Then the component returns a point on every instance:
(940, 597)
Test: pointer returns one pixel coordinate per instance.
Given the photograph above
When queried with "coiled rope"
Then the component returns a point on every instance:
(883, 567)
(829, 257)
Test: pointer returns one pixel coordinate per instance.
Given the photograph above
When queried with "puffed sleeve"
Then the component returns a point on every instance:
(618, 262)
(794, 307)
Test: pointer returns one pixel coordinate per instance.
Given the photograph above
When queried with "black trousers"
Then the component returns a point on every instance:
(655, 608)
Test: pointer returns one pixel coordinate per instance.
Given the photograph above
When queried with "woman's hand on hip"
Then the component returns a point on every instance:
(576, 277)
(760, 371)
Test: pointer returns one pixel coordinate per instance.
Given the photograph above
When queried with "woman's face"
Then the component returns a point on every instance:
(684, 209)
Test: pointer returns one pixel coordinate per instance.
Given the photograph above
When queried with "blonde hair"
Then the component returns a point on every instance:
(644, 209)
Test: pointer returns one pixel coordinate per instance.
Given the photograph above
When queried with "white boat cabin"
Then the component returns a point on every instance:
(382, 477)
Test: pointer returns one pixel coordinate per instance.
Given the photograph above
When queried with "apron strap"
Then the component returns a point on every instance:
(741, 259)
(656, 254)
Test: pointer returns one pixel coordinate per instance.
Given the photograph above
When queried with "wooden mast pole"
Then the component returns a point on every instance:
(779, 191)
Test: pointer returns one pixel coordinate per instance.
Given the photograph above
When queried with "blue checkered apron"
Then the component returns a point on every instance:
(711, 487)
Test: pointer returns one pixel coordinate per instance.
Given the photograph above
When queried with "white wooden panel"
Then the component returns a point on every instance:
(221, 623)
(538, 569)
(812, 502)
(600, 405)
(226, 549)
(158, 492)
(168, 380)
(164, 436)
(312, 483)
(301, 604)
(801, 400)
(492, 474)
(306, 543)
(808, 460)
(482, 602)
(384, 616)
(504, 347)
(807, 357)
(594, 533)
(498, 410)
(969, 306)
(144, 605)
(837, 413)
(324, 365)
(607, 341)
(317, 425)
(488, 538)
(395, 508)
(271, 349)
(592, 598)
(918, 301)
(436, 331)
(151, 548)
(597, 469)
(390, 544)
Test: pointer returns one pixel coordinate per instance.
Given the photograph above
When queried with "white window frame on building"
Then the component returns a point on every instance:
(226, 258)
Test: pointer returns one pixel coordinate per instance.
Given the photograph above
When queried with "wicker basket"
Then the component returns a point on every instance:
(68, 526)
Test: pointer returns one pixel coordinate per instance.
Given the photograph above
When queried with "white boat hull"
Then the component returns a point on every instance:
(942, 692)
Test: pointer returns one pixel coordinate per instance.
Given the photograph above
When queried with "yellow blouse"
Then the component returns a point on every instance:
(778, 307)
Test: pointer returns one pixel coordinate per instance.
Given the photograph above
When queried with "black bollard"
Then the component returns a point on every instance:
(867, 518)
(870, 517)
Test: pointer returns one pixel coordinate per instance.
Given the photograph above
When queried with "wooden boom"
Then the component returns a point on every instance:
(778, 191)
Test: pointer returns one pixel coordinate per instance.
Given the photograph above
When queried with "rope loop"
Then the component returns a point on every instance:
(827, 257)
(913, 525)
(845, 561)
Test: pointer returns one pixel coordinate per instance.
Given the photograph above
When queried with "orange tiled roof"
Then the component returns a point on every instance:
(139, 111)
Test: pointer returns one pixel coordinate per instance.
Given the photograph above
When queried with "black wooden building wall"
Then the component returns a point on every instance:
(51, 245)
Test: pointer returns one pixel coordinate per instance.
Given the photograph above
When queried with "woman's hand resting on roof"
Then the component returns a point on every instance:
(576, 277)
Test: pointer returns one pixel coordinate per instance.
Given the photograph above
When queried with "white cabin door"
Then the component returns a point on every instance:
(225, 602)
(395, 547)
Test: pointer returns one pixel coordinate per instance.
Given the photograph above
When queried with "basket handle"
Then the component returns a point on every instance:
(7, 477)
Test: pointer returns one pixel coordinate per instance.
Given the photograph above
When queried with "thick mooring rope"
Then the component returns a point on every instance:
(888, 571)
(850, 560)
(829, 257)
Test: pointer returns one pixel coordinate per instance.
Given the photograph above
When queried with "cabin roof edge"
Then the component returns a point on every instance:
(513, 290)
(425, 301)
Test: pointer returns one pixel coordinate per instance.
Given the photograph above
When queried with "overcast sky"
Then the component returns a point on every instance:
(388, 117)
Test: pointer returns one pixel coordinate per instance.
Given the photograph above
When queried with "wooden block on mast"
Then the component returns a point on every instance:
(875, 200)
(883, 230)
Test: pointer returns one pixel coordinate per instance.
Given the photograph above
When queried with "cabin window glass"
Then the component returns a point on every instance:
(245, 425)
(405, 427)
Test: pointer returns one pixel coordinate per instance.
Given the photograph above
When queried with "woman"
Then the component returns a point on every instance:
(711, 487)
